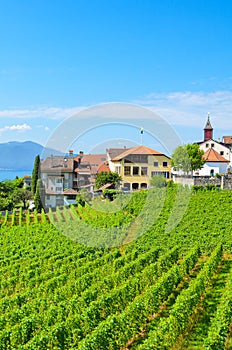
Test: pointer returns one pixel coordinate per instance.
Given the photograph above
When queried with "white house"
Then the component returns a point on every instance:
(217, 154)
(215, 164)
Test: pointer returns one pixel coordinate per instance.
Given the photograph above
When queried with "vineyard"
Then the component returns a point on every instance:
(143, 272)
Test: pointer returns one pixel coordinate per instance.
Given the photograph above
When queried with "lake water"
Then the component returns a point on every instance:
(11, 174)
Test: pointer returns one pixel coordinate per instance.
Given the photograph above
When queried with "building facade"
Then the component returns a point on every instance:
(137, 165)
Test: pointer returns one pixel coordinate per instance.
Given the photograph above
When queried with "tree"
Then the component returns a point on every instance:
(35, 174)
(21, 195)
(8, 190)
(104, 178)
(188, 158)
(158, 181)
(39, 194)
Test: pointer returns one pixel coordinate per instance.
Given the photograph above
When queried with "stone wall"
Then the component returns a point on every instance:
(223, 182)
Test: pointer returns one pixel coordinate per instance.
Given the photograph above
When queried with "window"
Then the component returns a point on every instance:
(59, 181)
(156, 164)
(144, 170)
(222, 153)
(136, 158)
(135, 186)
(126, 186)
(165, 164)
(207, 145)
(118, 169)
(212, 145)
(153, 173)
(143, 185)
(166, 174)
(58, 189)
(127, 170)
(48, 197)
(135, 170)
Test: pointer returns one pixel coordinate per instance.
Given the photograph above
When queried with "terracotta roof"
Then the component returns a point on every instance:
(57, 164)
(103, 167)
(213, 156)
(137, 150)
(227, 140)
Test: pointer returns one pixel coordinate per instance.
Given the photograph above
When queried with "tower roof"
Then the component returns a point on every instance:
(208, 125)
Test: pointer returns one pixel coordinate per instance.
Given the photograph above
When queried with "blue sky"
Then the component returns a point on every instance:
(59, 57)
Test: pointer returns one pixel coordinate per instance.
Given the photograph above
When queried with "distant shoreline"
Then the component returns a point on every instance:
(10, 174)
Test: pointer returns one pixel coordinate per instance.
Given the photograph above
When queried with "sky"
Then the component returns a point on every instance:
(59, 58)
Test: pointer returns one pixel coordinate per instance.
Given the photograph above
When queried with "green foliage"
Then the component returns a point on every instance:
(58, 294)
(39, 196)
(10, 193)
(35, 174)
(104, 178)
(158, 181)
(188, 157)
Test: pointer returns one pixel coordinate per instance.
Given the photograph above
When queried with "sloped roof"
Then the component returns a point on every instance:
(90, 162)
(69, 191)
(104, 187)
(208, 125)
(114, 152)
(66, 192)
(57, 164)
(227, 140)
(139, 150)
(213, 156)
(103, 167)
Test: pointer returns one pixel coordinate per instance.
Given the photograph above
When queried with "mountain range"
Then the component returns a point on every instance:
(21, 155)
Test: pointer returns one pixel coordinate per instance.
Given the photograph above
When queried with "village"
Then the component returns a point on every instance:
(64, 176)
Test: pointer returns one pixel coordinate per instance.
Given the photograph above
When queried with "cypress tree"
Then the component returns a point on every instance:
(35, 174)
(39, 196)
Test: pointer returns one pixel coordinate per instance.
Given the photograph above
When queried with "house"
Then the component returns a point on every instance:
(57, 175)
(217, 154)
(27, 181)
(215, 164)
(87, 166)
(137, 165)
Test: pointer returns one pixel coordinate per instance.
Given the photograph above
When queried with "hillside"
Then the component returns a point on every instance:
(164, 290)
(21, 155)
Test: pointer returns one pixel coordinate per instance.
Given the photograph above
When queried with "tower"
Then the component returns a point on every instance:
(208, 130)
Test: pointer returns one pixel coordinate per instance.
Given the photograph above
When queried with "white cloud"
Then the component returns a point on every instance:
(191, 108)
(19, 127)
(177, 108)
(39, 112)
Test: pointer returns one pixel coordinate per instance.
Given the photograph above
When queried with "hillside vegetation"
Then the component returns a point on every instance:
(168, 288)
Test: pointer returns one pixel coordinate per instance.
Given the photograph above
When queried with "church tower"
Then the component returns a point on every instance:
(208, 130)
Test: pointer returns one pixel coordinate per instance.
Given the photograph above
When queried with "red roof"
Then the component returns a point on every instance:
(213, 156)
(137, 150)
(227, 140)
(104, 167)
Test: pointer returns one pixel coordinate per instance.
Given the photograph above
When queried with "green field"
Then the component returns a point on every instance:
(165, 283)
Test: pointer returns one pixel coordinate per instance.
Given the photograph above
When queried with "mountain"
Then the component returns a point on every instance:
(21, 155)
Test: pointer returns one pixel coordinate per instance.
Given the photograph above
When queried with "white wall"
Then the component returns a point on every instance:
(218, 168)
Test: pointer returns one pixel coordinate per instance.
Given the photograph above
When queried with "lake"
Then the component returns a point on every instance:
(11, 174)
